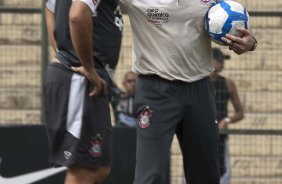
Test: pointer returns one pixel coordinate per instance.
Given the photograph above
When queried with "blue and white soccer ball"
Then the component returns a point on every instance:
(225, 17)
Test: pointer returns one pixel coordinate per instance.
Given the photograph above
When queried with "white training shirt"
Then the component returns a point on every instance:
(169, 38)
(92, 4)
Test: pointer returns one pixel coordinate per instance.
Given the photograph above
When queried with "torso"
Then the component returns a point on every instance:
(222, 96)
(170, 38)
(106, 37)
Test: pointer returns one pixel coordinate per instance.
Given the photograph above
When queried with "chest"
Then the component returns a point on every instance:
(179, 11)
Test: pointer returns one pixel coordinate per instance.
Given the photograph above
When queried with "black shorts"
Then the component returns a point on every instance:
(78, 126)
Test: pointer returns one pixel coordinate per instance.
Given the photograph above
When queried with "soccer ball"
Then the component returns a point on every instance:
(225, 17)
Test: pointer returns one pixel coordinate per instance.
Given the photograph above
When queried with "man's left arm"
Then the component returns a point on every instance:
(81, 31)
(236, 103)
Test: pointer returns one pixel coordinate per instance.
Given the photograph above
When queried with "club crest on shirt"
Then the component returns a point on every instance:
(145, 117)
(96, 144)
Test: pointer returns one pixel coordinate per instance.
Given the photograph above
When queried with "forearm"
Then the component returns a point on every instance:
(50, 22)
(237, 117)
(81, 31)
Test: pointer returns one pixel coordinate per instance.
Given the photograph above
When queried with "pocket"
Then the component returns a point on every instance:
(150, 89)
(211, 87)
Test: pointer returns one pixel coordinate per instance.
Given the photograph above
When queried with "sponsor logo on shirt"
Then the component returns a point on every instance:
(157, 17)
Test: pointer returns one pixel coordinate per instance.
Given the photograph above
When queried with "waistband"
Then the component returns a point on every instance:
(158, 78)
(66, 61)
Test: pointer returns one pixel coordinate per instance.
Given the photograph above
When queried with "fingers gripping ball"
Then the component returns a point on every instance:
(224, 18)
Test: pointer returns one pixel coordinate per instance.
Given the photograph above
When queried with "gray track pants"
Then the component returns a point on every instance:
(187, 109)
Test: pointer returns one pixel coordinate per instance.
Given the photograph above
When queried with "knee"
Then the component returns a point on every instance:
(98, 176)
(90, 176)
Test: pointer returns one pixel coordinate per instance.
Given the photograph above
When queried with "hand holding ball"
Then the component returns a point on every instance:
(225, 18)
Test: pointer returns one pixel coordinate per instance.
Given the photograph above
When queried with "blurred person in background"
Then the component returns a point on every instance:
(226, 91)
(123, 108)
(86, 36)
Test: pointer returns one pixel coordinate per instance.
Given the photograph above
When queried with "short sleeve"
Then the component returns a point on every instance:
(50, 5)
(93, 4)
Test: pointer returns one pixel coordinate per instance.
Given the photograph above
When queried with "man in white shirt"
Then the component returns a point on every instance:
(172, 56)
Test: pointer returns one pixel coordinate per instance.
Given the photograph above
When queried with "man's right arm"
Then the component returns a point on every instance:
(81, 31)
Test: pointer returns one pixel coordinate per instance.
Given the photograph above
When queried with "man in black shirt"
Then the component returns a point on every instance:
(86, 35)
